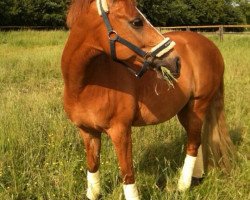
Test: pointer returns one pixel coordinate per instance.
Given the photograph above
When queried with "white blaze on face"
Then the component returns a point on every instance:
(146, 20)
(164, 40)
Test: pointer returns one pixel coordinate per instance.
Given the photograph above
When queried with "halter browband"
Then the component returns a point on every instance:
(157, 51)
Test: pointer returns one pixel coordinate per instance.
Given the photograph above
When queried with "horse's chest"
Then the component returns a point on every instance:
(93, 114)
(98, 110)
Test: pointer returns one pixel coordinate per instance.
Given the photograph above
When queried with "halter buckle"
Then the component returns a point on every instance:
(113, 36)
(149, 57)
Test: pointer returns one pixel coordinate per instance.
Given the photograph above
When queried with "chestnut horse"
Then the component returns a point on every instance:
(102, 95)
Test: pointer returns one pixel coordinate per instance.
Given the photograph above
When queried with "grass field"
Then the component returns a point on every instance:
(42, 156)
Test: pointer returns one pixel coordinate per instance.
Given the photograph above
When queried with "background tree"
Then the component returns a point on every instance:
(160, 12)
(5, 7)
(192, 12)
(33, 13)
(244, 5)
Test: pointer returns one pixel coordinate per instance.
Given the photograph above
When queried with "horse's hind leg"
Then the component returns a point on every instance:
(92, 143)
(192, 117)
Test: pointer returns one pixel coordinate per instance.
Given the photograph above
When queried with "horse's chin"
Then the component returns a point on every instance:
(159, 73)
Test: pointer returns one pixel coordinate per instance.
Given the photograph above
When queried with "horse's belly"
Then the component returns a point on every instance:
(149, 117)
(160, 104)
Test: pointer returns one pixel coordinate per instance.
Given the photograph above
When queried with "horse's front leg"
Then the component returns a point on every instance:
(121, 138)
(92, 142)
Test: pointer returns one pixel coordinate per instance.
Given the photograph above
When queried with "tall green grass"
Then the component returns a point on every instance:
(42, 156)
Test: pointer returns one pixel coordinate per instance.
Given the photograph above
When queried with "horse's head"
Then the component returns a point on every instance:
(119, 29)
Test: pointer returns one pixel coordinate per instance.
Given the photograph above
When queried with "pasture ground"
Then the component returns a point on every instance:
(42, 156)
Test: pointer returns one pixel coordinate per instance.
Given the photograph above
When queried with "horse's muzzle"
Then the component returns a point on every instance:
(173, 64)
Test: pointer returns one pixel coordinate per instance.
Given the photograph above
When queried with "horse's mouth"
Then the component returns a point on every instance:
(168, 68)
(165, 74)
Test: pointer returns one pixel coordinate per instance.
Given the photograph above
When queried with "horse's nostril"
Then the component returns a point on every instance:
(178, 65)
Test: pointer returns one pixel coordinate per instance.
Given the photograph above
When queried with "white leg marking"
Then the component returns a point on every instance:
(131, 192)
(94, 187)
(199, 167)
(186, 174)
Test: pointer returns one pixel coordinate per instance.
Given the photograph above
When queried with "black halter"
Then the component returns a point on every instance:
(114, 37)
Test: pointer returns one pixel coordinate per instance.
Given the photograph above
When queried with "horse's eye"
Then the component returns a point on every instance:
(137, 23)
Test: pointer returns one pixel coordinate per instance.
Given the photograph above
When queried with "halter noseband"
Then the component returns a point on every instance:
(160, 49)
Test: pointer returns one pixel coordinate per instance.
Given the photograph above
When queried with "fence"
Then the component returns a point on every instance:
(220, 29)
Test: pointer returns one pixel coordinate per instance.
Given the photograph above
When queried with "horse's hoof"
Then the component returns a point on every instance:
(161, 183)
(196, 181)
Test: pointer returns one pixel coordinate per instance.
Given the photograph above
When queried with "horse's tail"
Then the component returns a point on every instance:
(218, 149)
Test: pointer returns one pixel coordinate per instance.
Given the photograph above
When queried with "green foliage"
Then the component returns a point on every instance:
(5, 8)
(193, 12)
(33, 13)
(160, 12)
(244, 5)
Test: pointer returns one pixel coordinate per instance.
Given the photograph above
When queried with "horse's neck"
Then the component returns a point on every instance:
(76, 59)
